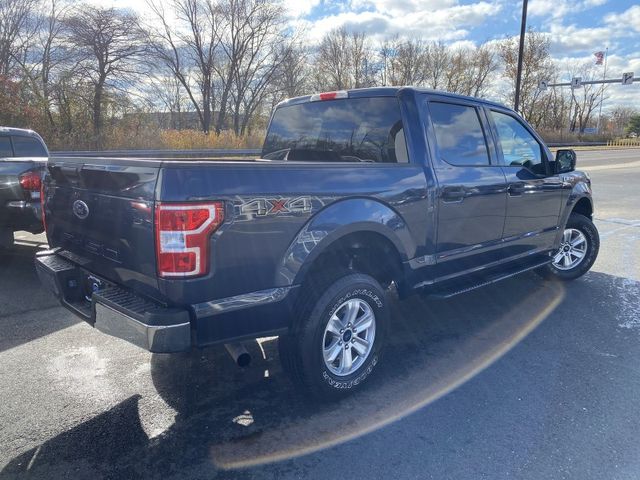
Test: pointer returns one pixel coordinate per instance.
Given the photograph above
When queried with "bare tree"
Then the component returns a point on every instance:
(436, 63)
(620, 117)
(537, 65)
(166, 91)
(110, 43)
(403, 62)
(586, 99)
(17, 25)
(253, 57)
(343, 61)
(251, 39)
(333, 62)
(292, 77)
(48, 56)
(469, 70)
(190, 51)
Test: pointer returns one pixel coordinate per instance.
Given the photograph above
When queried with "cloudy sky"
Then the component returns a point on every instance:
(578, 28)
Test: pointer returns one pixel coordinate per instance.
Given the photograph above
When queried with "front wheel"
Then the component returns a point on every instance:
(338, 342)
(578, 249)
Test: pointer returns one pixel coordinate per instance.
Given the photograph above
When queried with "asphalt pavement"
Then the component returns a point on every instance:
(526, 379)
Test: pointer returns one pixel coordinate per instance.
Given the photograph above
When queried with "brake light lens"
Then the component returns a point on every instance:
(183, 231)
(329, 96)
(44, 218)
(30, 181)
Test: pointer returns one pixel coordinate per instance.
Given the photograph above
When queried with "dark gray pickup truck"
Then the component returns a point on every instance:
(23, 156)
(355, 191)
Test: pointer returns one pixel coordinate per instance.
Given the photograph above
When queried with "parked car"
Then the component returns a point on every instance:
(23, 157)
(355, 190)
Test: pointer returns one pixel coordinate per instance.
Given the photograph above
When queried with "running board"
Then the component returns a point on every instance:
(441, 291)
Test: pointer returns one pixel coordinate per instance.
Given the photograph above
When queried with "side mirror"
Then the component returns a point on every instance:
(565, 161)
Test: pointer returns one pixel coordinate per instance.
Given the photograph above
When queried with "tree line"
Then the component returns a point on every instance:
(92, 77)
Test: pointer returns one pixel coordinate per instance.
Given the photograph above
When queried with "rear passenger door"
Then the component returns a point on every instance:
(534, 192)
(471, 196)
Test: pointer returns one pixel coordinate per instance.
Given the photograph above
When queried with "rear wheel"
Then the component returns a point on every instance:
(578, 249)
(338, 342)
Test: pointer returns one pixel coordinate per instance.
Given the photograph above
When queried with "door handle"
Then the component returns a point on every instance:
(453, 194)
(515, 189)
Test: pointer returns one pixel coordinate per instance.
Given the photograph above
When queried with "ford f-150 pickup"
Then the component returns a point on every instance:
(23, 156)
(355, 191)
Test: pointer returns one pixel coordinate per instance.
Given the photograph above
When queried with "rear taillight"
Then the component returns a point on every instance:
(182, 237)
(30, 181)
(44, 218)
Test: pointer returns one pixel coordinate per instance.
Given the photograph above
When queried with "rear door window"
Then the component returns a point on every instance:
(460, 139)
(5, 147)
(346, 130)
(28, 147)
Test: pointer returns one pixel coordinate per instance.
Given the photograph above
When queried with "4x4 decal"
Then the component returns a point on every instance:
(274, 206)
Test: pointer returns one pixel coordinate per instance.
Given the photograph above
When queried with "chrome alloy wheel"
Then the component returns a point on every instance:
(348, 337)
(572, 251)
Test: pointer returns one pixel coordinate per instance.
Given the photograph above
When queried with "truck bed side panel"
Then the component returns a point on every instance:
(268, 204)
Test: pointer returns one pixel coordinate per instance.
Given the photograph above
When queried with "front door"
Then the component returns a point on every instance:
(534, 193)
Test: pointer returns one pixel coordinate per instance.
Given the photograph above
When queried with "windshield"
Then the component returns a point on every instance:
(351, 130)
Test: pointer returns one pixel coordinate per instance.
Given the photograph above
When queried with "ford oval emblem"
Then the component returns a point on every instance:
(80, 209)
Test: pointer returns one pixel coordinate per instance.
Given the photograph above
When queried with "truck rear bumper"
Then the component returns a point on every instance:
(23, 215)
(116, 311)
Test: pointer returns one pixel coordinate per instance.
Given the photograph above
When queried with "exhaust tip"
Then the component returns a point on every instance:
(239, 353)
(243, 360)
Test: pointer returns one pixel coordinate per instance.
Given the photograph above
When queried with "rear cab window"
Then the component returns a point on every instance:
(28, 147)
(460, 138)
(6, 151)
(360, 130)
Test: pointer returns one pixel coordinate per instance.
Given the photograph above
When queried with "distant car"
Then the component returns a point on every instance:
(23, 157)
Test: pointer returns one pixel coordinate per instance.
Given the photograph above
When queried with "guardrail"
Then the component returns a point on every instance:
(201, 153)
(576, 144)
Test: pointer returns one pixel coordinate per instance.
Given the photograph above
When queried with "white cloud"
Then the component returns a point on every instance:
(570, 38)
(449, 23)
(463, 44)
(561, 8)
(630, 20)
(299, 8)
(400, 7)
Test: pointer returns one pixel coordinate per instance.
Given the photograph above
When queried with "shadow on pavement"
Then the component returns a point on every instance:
(23, 301)
(228, 418)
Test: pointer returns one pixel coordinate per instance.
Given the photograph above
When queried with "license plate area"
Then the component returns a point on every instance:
(89, 284)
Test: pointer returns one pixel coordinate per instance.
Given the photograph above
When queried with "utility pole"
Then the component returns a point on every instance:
(523, 28)
(604, 75)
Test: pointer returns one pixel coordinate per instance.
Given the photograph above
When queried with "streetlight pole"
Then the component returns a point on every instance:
(604, 75)
(523, 28)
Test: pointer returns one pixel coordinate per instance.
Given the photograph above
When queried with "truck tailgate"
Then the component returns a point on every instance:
(100, 213)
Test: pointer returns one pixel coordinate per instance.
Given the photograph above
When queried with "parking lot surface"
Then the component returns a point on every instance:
(523, 379)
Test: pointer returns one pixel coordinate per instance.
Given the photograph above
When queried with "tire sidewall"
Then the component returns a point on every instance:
(354, 286)
(588, 229)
